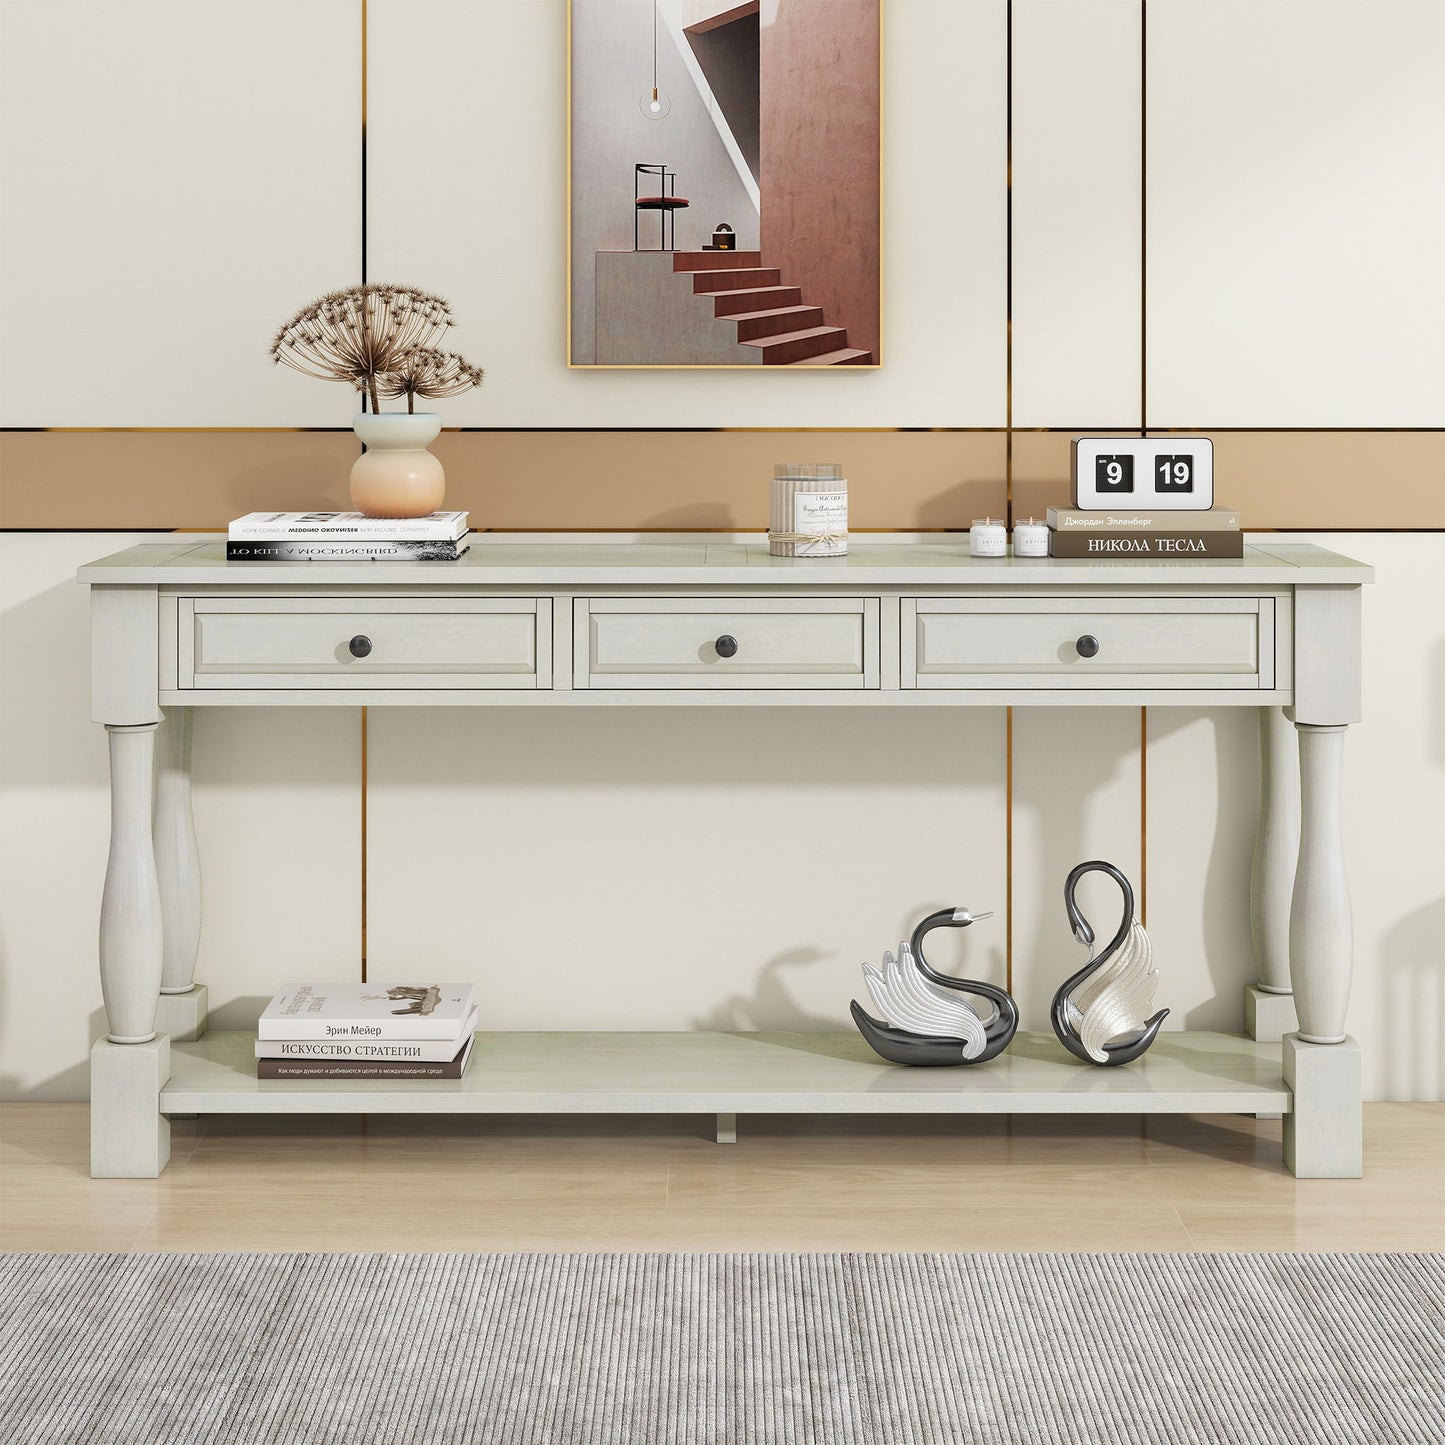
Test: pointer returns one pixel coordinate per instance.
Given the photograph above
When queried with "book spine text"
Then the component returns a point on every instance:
(300, 551)
(1115, 545)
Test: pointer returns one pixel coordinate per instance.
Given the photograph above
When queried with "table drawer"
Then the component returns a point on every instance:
(674, 642)
(1144, 643)
(405, 642)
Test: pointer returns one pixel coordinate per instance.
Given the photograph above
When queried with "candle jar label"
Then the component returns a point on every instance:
(825, 516)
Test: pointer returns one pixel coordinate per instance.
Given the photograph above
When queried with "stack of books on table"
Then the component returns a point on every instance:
(1081, 532)
(367, 1031)
(346, 537)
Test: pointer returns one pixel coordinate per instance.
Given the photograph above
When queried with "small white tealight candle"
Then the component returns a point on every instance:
(1031, 538)
(988, 537)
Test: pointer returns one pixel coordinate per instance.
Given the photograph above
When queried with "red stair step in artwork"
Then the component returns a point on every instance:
(799, 345)
(704, 281)
(715, 260)
(761, 298)
(753, 324)
(769, 315)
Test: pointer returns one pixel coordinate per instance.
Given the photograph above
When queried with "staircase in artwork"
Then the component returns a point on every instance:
(769, 316)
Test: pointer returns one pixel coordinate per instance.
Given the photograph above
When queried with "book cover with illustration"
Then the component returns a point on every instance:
(367, 1011)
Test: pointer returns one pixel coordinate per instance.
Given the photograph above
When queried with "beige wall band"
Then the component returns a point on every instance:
(669, 481)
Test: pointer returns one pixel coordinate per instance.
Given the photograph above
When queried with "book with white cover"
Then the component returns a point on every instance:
(367, 1011)
(1074, 519)
(347, 527)
(417, 1051)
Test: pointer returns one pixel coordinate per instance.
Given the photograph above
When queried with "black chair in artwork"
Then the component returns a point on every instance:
(666, 204)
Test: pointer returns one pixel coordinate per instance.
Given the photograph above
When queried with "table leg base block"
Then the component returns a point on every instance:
(1268, 1017)
(727, 1128)
(129, 1137)
(1323, 1134)
(183, 1015)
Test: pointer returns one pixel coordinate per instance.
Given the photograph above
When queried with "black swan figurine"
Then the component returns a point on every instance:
(1098, 1014)
(926, 1024)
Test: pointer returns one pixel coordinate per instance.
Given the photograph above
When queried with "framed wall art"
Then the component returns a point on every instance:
(724, 182)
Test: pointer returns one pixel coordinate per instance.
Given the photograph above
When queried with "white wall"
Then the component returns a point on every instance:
(664, 869)
(1296, 199)
(179, 174)
(179, 178)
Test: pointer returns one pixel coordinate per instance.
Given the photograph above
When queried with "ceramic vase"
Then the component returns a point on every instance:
(396, 476)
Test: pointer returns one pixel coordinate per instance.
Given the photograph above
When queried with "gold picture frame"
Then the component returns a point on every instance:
(640, 298)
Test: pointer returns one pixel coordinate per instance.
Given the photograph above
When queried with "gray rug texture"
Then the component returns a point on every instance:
(577, 1349)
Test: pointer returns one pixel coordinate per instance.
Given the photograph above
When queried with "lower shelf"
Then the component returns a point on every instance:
(748, 1073)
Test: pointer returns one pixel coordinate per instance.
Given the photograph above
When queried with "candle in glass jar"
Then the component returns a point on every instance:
(988, 537)
(1031, 538)
(809, 513)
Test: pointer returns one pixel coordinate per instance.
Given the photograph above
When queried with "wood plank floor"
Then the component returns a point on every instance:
(477, 1183)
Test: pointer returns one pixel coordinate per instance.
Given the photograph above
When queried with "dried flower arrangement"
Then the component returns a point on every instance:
(376, 338)
(431, 373)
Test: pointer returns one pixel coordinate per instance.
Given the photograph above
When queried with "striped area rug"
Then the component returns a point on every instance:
(337, 1349)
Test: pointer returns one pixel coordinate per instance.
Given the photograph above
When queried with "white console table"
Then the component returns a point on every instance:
(601, 621)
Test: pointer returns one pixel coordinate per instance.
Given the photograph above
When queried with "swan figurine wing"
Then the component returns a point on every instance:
(939, 1004)
(909, 1001)
(1116, 1001)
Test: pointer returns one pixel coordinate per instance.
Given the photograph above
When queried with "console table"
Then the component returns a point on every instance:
(708, 621)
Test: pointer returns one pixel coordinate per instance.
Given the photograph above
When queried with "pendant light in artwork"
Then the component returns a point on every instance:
(654, 103)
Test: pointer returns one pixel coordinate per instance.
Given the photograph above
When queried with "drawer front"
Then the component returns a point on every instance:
(414, 642)
(673, 642)
(1144, 643)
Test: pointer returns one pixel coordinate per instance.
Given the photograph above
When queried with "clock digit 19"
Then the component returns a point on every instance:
(1174, 474)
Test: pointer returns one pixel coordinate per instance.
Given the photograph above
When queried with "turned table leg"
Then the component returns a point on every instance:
(1268, 1003)
(178, 863)
(131, 932)
(1322, 1135)
(1320, 929)
(129, 1138)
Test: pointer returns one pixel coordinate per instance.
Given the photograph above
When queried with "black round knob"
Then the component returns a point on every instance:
(360, 646)
(1087, 646)
(726, 646)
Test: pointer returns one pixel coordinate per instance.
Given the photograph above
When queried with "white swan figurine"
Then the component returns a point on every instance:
(908, 1000)
(1099, 1014)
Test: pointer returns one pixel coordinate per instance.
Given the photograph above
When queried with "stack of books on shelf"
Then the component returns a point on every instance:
(367, 1031)
(346, 537)
(1081, 532)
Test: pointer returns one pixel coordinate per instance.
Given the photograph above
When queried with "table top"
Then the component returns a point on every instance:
(718, 559)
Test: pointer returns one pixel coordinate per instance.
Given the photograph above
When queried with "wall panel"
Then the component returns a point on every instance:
(1075, 797)
(1296, 199)
(482, 218)
(678, 868)
(1203, 772)
(1077, 204)
(179, 178)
